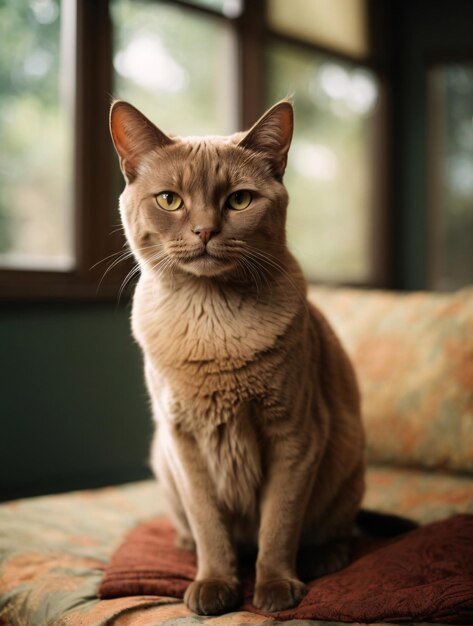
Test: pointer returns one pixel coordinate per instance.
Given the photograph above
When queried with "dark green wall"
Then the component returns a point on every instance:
(73, 405)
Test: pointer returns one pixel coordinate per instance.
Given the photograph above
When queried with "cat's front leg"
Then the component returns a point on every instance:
(291, 472)
(216, 588)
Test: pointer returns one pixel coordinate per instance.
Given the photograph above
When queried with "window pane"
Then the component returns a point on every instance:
(176, 66)
(36, 138)
(330, 169)
(451, 174)
(337, 24)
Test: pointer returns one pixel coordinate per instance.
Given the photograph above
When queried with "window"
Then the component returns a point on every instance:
(158, 70)
(451, 174)
(194, 67)
(36, 212)
(330, 176)
(330, 169)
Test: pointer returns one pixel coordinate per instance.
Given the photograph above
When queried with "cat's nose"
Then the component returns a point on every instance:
(205, 233)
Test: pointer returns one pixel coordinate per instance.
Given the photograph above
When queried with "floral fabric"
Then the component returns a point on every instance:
(414, 358)
(413, 354)
(53, 550)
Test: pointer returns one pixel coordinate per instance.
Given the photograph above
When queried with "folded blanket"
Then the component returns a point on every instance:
(423, 576)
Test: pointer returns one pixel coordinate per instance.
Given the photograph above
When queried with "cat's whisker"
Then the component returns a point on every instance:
(253, 276)
(109, 257)
(275, 264)
(160, 253)
(161, 265)
(168, 266)
(156, 265)
(241, 270)
(124, 256)
(116, 230)
(259, 271)
(288, 278)
(263, 271)
(135, 270)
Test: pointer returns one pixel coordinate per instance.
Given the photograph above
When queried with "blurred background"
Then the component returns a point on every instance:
(380, 178)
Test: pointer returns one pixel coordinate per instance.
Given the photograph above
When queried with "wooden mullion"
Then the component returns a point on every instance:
(310, 46)
(21, 285)
(93, 165)
(251, 33)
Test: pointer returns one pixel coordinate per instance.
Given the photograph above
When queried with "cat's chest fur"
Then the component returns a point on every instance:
(199, 323)
(201, 341)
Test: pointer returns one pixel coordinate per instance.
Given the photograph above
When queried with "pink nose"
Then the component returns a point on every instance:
(205, 233)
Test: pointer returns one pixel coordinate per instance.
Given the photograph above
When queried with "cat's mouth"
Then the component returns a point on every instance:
(210, 259)
(206, 263)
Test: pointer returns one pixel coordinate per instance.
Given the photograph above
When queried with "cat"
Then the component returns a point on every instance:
(258, 439)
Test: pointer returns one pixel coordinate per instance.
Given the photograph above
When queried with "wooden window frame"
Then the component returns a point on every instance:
(92, 174)
(95, 177)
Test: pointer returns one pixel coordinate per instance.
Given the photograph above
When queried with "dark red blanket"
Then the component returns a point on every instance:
(423, 576)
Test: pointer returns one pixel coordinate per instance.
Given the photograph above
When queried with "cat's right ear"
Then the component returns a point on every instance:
(133, 136)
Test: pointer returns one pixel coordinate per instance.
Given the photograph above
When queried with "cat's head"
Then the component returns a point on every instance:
(208, 206)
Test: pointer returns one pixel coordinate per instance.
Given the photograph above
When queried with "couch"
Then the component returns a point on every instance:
(413, 354)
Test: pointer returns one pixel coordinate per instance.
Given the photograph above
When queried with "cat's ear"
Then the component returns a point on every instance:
(133, 136)
(272, 135)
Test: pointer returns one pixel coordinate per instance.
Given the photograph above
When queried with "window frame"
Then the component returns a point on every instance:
(92, 174)
(95, 172)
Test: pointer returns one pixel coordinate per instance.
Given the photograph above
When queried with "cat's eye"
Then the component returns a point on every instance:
(169, 201)
(239, 200)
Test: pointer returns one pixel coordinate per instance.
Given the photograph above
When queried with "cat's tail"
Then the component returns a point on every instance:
(383, 525)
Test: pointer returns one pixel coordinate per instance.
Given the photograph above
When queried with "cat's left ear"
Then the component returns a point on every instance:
(272, 135)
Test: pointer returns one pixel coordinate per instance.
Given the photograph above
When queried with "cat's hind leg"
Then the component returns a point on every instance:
(326, 539)
(314, 561)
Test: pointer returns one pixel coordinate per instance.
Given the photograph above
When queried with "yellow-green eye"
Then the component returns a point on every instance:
(239, 200)
(169, 201)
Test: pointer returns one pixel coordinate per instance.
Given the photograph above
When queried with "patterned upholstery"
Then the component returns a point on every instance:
(53, 549)
(414, 358)
(413, 354)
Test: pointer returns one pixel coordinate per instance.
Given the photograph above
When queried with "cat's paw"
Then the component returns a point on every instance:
(212, 597)
(277, 595)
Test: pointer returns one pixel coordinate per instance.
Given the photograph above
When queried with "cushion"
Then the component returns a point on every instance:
(425, 575)
(53, 549)
(419, 495)
(413, 354)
